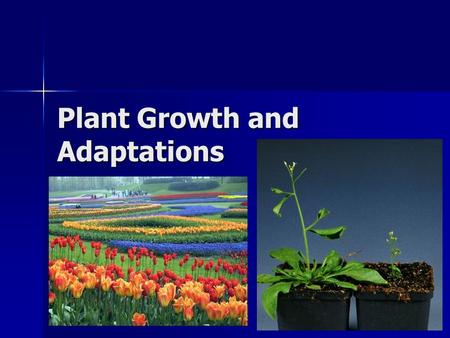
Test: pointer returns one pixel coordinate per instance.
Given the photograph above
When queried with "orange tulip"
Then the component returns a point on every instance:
(61, 281)
(77, 289)
(237, 308)
(52, 270)
(137, 279)
(216, 311)
(90, 279)
(51, 297)
(185, 305)
(188, 309)
(178, 304)
(220, 290)
(105, 283)
(139, 319)
(244, 320)
(79, 270)
(136, 290)
(166, 294)
(189, 289)
(172, 289)
(202, 299)
(122, 288)
(149, 287)
(241, 292)
(100, 271)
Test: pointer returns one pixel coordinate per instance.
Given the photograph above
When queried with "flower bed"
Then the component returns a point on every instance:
(161, 231)
(139, 256)
(233, 197)
(203, 249)
(94, 212)
(206, 237)
(164, 221)
(193, 210)
(144, 298)
(235, 213)
(187, 196)
(199, 200)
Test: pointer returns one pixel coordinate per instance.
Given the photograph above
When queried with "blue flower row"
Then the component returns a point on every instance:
(201, 200)
(193, 210)
(199, 249)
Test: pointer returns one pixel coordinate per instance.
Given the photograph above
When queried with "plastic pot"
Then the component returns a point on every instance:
(314, 310)
(380, 311)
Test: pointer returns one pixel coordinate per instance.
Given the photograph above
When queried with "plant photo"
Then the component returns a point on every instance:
(300, 273)
(147, 251)
(309, 269)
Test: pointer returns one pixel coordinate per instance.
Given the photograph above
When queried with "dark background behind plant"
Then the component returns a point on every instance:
(371, 186)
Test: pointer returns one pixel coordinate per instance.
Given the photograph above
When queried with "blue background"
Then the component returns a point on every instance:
(248, 55)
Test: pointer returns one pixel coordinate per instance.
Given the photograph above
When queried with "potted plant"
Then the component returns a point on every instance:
(404, 303)
(305, 295)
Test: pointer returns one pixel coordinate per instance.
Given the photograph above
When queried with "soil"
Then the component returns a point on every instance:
(416, 278)
(326, 292)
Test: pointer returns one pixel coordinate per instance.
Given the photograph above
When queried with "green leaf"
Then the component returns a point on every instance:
(299, 282)
(322, 213)
(287, 255)
(331, 233)
(362, 275)
(277, 209)
(337, 282)
(353, 265)
(395, 271)
(330, 262)
(313, 286)
(314, 265)
(266, 278)
(280, 192)
(270, 297)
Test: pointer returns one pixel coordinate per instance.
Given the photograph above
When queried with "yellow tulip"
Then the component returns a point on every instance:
(77, 289)
(105, 283)
(166, 294)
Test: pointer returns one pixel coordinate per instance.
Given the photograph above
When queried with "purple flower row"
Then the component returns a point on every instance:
(201, 200)
(200, 249)
(193, 210)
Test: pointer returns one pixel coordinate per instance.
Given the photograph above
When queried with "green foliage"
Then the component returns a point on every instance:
(394, 252)
(332, 270)
(237, 206)
(297, 268)
(194, 185)
(130, 214)
(153, 222)
(277, 208)
(235, 213)
(104, 236)
(287, 255)
(270, 297)
(331, 233)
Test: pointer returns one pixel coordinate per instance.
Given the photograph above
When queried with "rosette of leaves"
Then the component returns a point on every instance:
(297, 269)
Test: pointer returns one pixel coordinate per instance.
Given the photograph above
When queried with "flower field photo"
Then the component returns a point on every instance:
(147, 251)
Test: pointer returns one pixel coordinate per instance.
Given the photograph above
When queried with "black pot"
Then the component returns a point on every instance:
(313, 310)
(380, 311)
